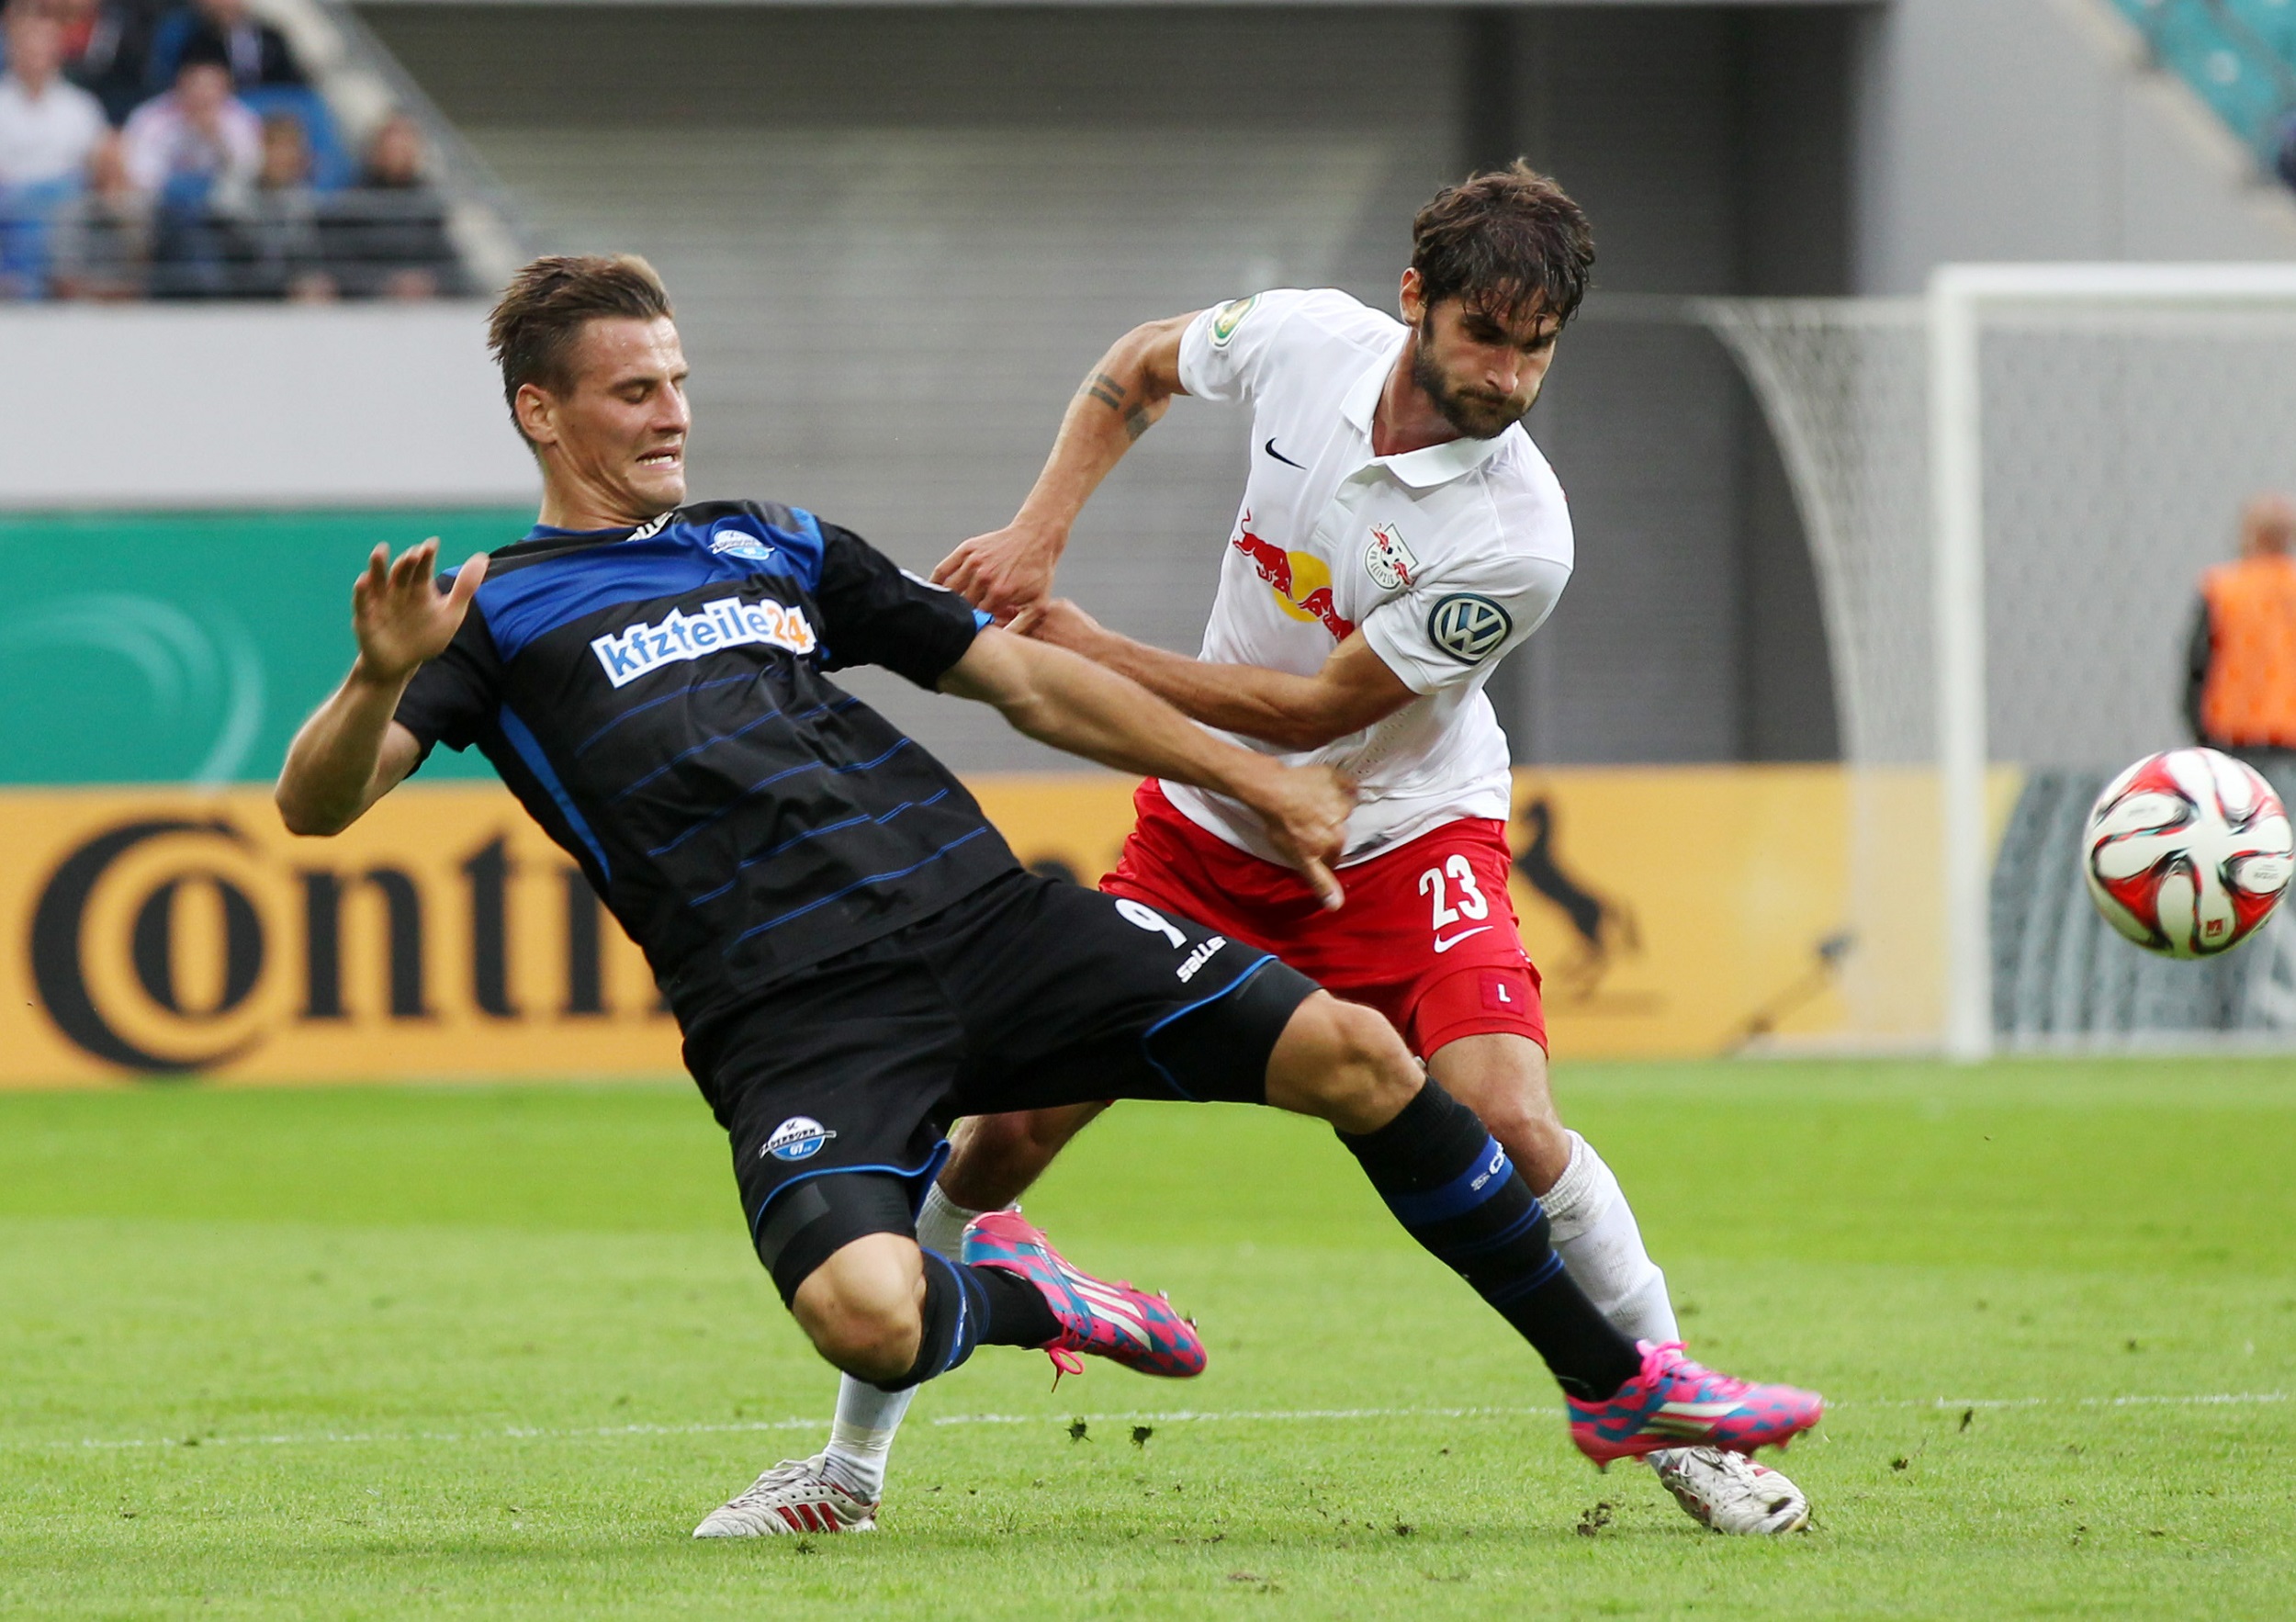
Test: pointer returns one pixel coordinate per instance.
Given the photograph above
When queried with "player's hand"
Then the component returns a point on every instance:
(1003, 572)
(1060, 621)
(401, 616)
(1305, 810)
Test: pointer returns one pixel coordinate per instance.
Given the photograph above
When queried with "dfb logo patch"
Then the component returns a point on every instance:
(1467, 628)
(798, 1137)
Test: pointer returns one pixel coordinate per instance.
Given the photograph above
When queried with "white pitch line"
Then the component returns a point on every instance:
(1171, 1416)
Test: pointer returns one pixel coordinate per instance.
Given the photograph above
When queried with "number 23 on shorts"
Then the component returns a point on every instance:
(1472, 904)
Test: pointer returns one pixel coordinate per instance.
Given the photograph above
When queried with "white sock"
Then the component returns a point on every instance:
(940, 1222)
(1593, 1231)
(861, 1438)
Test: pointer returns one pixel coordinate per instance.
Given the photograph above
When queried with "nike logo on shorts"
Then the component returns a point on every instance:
(1442, 945)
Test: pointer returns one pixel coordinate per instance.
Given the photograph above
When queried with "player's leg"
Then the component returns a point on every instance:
(993, 1161)
(1501, 1075)
(830, 1094)
(1447, 1182)
(994, 1158)
(1454, 1190)
(882, 1311)
(1125, 1001)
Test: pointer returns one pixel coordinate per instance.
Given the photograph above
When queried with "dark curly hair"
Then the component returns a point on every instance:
(1505, 241)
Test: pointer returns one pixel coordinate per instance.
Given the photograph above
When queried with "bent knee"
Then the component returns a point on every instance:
(869, 1345)
(1345, 1063)
(863, 1313)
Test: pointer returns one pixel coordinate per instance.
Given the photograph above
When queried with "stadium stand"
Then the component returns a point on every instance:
(2239, 56)
(252, 152)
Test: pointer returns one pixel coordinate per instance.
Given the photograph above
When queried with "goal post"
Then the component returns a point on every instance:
(1963, 300)
(2009, 487)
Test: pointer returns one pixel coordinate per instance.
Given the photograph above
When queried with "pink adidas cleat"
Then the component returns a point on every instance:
(1114, 1320)
(1674, 1402)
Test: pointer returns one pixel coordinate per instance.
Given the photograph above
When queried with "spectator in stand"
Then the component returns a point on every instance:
(183, 148)
(279, 253)
(389, 239)
(102, 238)
(48, 128)
(107, 44)
(255, 52)
(2240, 694)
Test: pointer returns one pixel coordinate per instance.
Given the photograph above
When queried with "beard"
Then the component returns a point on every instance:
(1475, 412)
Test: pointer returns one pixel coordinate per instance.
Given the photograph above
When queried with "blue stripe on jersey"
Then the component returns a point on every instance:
(530, 750)
(582, 747)
(874, 878)
(766, 783)
(749, 725)
(814, 833)
(524, 604)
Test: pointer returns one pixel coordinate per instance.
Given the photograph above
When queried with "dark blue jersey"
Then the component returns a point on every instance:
(656, 698)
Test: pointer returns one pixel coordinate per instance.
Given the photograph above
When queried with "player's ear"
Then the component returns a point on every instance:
(537, 414)
(1411, 301)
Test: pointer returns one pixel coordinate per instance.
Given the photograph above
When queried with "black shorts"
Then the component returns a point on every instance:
(1029, 992)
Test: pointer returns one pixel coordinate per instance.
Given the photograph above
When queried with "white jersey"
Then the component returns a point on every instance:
(1444, 559)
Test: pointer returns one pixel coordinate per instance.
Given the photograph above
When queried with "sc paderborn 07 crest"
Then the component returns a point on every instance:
(798, 1137)
(1467, 628)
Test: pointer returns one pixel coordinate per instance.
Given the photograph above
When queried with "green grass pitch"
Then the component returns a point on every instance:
(493, 1351)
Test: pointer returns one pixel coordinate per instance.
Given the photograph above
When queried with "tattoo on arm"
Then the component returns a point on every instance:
(1138, 423)
(1106, 391)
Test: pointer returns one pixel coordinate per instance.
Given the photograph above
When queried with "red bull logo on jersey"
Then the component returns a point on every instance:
(728, 622)
(1301, 582)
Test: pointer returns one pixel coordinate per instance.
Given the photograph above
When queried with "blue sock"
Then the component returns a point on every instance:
(967, 1307)
(1453, 1187)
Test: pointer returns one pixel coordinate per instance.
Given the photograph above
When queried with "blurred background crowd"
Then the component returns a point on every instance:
(177, 148)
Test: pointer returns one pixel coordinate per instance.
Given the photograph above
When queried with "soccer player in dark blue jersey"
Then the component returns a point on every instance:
(854, 957)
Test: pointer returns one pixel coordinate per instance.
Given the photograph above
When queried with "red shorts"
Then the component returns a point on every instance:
(1428, 935)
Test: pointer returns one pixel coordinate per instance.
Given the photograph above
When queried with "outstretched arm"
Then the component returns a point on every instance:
(1354, 689)
(1071, 703)
(1007, 569)
(351, 753)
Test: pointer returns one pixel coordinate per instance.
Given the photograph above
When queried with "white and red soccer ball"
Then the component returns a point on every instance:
(2188, 853)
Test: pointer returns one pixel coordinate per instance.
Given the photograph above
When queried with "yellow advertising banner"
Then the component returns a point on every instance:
(158, 933)
(154, 933)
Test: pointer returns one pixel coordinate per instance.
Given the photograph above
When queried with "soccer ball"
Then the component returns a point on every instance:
(2188, 853)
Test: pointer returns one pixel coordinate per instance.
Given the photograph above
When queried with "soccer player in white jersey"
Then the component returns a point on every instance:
(1399, 535)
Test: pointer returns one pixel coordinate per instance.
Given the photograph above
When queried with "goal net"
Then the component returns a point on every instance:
(2010, 488)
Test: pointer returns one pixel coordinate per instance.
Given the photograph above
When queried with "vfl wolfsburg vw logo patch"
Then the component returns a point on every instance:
(1467, 628)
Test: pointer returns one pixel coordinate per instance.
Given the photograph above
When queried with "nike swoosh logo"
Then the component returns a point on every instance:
(1442, 945)
(1287, 461)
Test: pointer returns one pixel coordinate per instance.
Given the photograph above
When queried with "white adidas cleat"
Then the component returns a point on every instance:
(1729, 1493)
(795, 1497)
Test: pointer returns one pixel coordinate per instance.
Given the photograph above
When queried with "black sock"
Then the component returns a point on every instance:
(1448, 1182)
(1016, 1312)
(969, 1306)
